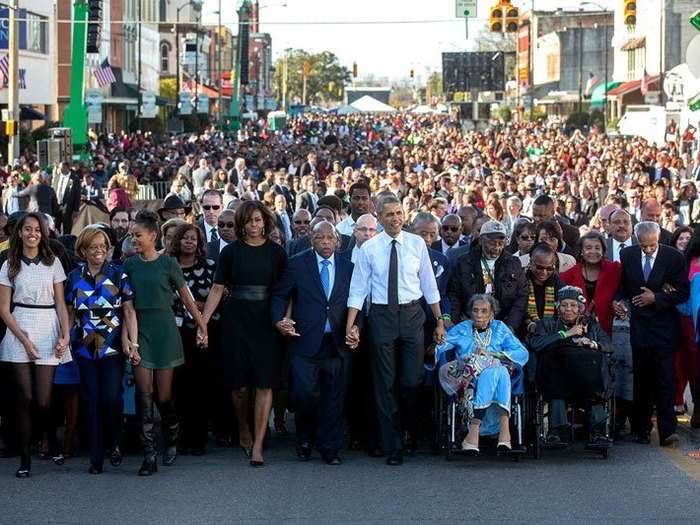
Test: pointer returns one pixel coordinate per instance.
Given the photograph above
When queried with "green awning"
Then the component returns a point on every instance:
(598, 94)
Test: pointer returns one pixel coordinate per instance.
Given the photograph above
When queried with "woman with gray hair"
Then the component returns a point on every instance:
(486, 351)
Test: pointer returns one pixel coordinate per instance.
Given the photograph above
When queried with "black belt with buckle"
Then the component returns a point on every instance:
(250, 292)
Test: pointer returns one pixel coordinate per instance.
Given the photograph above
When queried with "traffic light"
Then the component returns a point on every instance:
(94, 26)
(512, 18)
(354, 70)
(412, 73)
(630, 12)
(307, 68)
(496, 18)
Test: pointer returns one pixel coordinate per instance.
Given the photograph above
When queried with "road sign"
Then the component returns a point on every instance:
(465, 8)
(93, 101)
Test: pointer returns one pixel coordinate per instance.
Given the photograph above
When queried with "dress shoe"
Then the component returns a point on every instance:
(148, 467)
(95, 469)
(116, 458)
(670, 440)
(169, 456)
(254, 463)
(395, 459)
(304, 452)
(598, 442)
(59, 459)
(23, 473)
(643, 438)
(332, 458)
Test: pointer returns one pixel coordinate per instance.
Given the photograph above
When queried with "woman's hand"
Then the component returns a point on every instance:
(31, 350)
(576, 331)
(61, 347)
(202, 336)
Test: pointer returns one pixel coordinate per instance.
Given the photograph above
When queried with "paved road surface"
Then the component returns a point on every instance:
(637, 484)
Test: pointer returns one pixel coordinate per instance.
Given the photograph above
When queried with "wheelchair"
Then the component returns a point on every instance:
(538, 406)
(450, 427)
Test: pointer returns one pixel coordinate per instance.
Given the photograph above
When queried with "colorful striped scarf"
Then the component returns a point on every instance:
(549, 307)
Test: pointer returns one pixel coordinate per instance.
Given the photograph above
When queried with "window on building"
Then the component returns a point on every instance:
(162, 10)
(164, 57)
(37, 33)
(631, 64)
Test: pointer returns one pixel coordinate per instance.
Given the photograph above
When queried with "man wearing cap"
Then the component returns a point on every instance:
(488, 268)
(173, 208)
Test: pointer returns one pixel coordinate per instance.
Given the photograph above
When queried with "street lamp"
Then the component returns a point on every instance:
(195, 5)
(605, 44)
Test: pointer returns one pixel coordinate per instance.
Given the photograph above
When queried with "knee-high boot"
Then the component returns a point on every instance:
(148, 434)
(170, 427)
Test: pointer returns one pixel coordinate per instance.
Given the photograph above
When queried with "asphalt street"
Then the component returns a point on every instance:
(637, 484)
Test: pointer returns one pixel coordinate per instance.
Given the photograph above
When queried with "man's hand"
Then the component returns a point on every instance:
(439, 334)
(584, 341)
(352, 337)
(645, 298)
(620, 309)
(286, 327)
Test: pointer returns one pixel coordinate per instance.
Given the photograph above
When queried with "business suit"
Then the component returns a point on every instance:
(285, 228)
(69, 201)
(610, 246)
(655, 332)
(347, 242)
(319, 359)
(437, 246)
(288, 195)
(306, 202)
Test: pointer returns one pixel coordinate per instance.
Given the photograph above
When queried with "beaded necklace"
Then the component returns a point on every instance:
(485, 341)
(549, 307)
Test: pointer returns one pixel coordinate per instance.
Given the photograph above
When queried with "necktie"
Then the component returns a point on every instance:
(214, 235)
(325, 277)
(393, 287)
(647, 267)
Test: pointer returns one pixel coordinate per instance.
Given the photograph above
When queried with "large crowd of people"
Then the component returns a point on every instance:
(317, 272)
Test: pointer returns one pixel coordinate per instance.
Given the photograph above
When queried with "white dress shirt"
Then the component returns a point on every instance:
(616, 245)
(371, 272)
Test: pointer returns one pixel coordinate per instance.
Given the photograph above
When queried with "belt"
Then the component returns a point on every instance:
(249, 292)
(40, 306)
(402, 305)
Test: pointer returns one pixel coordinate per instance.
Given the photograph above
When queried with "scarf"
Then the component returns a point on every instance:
(549, 307)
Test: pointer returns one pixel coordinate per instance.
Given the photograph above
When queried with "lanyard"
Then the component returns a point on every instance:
(487, 269)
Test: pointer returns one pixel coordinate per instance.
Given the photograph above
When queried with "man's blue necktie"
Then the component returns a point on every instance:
(326, 283)
(647, 267)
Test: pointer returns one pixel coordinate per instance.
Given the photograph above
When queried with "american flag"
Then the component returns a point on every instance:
(646, 80)
(592, 81)
(104, 74)
(5, 66)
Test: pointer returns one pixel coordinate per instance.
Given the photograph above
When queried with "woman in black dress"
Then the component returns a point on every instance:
(248, 268)
(188, 247)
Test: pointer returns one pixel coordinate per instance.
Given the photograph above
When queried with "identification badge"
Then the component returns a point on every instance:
(178, 321)
(489, 288)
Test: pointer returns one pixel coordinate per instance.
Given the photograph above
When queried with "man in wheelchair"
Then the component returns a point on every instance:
(487, 357)
(573, 356)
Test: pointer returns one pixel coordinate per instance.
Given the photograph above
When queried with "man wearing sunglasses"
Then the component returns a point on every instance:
(212, 205)
(450, 233)
(300, 223)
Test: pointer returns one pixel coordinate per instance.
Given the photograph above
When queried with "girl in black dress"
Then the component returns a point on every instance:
(248, 268)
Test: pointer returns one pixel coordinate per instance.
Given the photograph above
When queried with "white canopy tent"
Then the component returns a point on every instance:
(366, 104)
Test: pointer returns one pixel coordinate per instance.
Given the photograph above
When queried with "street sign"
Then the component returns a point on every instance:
(93, 101)
(185, 103)
(465, 8)
(148, 104)
(203, 103)
(652, 97)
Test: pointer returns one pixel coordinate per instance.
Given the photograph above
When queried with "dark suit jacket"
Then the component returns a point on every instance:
(609, 246)
(307, 169)
(657, 325)
(437, 246)
(441, 269)
(665, 237)
(281, 190)
(454, 254)
(301, 282)
(278, 220)
(71, 197)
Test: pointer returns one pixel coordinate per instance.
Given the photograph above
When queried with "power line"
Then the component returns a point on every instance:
(282, 23)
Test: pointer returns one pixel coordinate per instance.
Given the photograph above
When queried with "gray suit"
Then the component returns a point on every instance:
(632, 241)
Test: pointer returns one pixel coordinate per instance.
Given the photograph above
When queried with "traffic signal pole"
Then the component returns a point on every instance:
(13, 85)
(75, 116)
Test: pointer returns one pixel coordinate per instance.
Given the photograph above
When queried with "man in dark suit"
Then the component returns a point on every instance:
(654, 280)
(227, 234)
(543, 210)
(651, 211)
(450, 233)
(212, 206)
(310, 167)
(283, 217)
(304, 243)
(307, 199)
(317, 282)
(66, 184)
(280, 188)
(621, 237)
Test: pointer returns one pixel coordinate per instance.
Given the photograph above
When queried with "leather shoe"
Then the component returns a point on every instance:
(669, 440)
(115, 458)
(643, 438)
(95, 469)
(304, 452)
(332, 458)
(395, 459)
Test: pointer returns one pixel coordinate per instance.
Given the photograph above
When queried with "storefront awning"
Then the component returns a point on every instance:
(598, 93)
(634, 43)
(629, 87)
(562, 97)
(30, 113)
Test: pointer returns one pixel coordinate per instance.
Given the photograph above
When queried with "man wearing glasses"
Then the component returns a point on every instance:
(300, 223)
(212, 205)
(450, 233)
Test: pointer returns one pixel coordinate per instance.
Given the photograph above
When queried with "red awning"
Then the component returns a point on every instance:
(204, 90)
(629, 87)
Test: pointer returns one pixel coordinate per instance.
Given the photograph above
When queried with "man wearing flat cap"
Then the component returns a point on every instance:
(488, 268)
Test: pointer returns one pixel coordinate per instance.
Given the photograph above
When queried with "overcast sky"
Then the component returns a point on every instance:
(391, 49)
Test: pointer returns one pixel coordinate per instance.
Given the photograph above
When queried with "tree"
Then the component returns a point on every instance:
(325, 82)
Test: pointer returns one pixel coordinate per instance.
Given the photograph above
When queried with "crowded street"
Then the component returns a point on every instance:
(318, 285)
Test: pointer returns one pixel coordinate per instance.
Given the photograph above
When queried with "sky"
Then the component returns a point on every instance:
(383, 50)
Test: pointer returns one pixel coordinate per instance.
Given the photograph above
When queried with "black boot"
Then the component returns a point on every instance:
(169, 425)
(25, 466)
(148, 434)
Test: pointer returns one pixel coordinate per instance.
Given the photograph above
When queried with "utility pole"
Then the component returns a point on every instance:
(218, 59)
(196, 69)
(605, 88)
(580, 65)
(13, 86)
(662, 38)
(138, 94)
(285, 74)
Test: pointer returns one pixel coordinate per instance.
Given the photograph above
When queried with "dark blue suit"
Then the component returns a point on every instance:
(319, 361)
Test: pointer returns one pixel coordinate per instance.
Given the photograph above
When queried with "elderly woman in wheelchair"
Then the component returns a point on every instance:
(487, 357)
(573, 355)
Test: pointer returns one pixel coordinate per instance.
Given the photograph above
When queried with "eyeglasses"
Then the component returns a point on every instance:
(227, 224)
(541, 268)
(451, 228)
(214, 207)
(302, 222)
(365, 229)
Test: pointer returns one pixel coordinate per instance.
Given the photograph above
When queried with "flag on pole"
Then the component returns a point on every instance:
(590, 83)
(646, 80)
(104, 74)
(5, 66)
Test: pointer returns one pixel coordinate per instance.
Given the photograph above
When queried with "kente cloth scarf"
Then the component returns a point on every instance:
(549, 307)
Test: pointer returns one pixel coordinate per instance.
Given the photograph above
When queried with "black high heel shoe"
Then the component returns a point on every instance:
(254, 463)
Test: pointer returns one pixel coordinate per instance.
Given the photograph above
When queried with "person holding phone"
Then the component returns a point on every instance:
(100, 305)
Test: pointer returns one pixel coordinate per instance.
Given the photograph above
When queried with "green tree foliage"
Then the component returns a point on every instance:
(326, 80)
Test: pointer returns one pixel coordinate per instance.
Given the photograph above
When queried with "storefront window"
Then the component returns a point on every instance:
(37, 33)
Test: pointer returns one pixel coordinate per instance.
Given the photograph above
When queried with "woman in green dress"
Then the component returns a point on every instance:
(154, 277)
